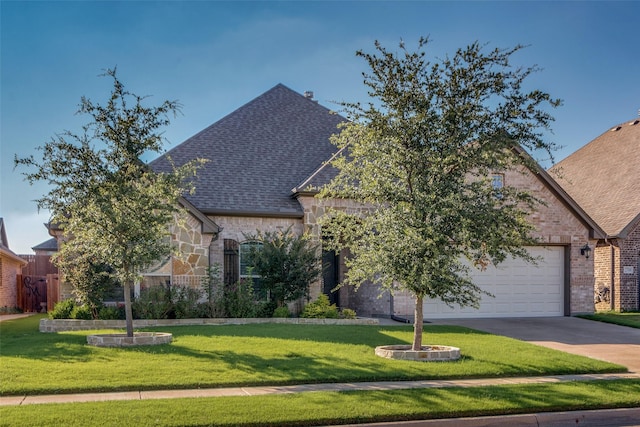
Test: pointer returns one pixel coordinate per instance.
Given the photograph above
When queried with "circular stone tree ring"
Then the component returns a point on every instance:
(122, 340)
(428, 353)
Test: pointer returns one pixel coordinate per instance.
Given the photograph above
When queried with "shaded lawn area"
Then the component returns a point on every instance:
(268, 354)
(326, 408)
(623, 319)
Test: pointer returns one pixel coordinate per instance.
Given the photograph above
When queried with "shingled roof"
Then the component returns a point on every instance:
(258, 154)
(604, 178)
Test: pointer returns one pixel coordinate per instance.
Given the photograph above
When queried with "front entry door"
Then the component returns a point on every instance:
(330, 276)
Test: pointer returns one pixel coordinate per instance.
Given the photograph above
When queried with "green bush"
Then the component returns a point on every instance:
(214, 294)
(62, 309)
(320, 309)
(185, 302)
(281, 312)
(347, 313)
(239, 300)
(111, 313)
(81, 312)
(153, 303)
(10, 310)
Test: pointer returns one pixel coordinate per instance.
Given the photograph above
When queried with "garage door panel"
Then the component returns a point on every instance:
(521, 289)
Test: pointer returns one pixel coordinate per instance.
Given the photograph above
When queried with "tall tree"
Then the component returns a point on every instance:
(109, 204)
(422, 154)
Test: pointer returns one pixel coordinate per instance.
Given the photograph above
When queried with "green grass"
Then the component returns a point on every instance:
(324, 408)
(243, 355)
(623, 319)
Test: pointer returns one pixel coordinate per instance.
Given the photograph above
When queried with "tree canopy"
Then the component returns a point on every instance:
(423, 155)
(111, 207)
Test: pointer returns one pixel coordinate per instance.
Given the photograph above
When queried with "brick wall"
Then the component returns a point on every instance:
(555, 225)
(8, 290)
(603, 256)
(628, 268)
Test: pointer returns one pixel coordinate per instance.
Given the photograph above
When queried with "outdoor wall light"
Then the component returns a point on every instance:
(585, 250)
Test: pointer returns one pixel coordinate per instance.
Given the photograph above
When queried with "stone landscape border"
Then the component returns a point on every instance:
(122, 340)
(62, 325)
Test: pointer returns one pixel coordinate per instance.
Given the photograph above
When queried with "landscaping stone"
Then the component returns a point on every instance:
(429, 353)
(122, 340)
(61, 325)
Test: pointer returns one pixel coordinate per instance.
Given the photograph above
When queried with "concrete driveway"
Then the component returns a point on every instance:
(598, 340)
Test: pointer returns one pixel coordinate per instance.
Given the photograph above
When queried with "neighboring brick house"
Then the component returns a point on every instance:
(265, 158)
(604, 178)
(10, 266)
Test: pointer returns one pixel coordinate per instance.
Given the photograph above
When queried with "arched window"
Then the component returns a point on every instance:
(246, 272)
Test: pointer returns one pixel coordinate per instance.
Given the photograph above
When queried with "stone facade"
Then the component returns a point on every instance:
(555, 222)
(189, 266)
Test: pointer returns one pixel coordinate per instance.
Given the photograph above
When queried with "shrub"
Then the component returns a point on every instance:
(320, 309)
(81, 312)
(281, 312)
(10, 310)
(287, 264)
(213, 292)
(62, 309)
(153, 303)
(111, 313)
(185, 302)
(239, 301)
(347, 313)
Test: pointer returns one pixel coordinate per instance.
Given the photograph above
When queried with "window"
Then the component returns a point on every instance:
(159, 273)
(497, 183)
(246, 272)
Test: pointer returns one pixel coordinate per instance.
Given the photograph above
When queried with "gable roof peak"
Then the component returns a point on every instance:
(257, 154)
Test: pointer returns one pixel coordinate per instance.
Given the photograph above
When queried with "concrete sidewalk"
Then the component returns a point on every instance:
(302, 388)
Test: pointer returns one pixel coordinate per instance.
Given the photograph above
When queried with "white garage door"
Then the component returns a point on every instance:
(521, 289)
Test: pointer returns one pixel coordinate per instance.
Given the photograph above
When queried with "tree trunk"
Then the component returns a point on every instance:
(127, 308)
(417, 325)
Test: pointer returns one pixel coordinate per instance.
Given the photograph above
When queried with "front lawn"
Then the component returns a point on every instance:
(325, 408)
(624, 319)
(268, 354)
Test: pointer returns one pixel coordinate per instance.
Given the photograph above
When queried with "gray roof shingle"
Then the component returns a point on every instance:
(258, 154)
(604, 177)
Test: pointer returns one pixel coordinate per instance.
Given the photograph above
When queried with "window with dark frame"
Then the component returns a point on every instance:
(246, 272)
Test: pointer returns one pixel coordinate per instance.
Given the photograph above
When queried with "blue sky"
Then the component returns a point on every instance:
(214, 56)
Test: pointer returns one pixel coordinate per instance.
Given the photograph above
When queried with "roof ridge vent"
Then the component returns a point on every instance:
(617, 128)
(635, 122)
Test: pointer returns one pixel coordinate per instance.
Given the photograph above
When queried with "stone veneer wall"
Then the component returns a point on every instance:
(190, 266)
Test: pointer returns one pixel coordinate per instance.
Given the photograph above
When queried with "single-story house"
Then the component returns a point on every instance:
(604, 178)
(10, 267)
(265, 159)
